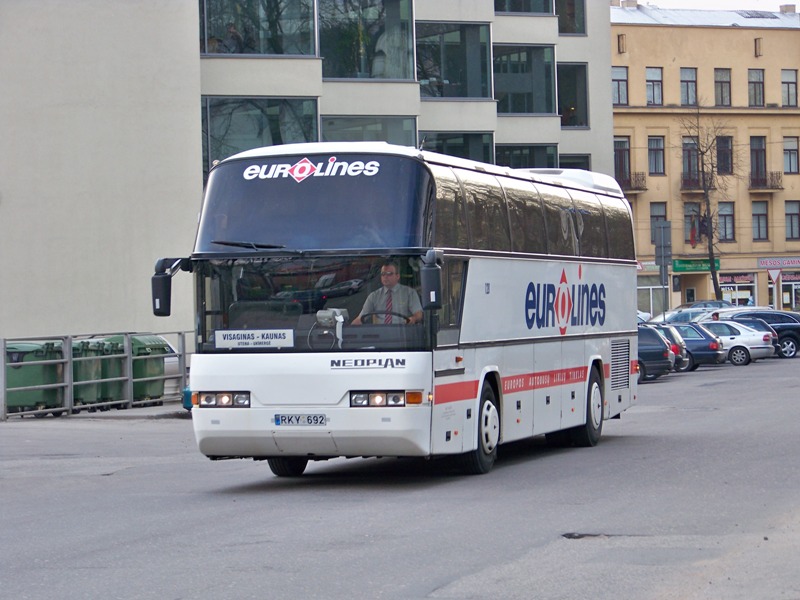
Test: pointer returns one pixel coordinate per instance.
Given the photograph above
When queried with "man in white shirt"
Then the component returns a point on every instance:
(393, 302)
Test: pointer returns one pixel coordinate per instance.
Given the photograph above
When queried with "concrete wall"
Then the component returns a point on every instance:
(99, 161)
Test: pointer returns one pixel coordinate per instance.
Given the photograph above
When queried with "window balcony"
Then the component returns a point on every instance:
(694, 181)
(633, 182)
(766, 180)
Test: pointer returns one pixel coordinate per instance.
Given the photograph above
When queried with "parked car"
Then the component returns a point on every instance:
(743, 344)
(705, 304)
(785, 323)
(702, 346)
(763, 326)
(682, 315)
(642, 316)
(345, 288)
(309, 300)
(677, 343)
(655, 356)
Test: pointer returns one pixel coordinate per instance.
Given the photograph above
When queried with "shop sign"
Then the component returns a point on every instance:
(779, 262)
(736, 278)
(693, 264)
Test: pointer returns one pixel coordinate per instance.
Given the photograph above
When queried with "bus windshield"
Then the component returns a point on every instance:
(291, 304)
(316, 202)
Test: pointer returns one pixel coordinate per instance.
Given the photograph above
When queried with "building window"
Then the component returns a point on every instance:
(724, 155)
(755, 87)
(760, 221)
(722, 87)
(790, 165)
(658, 212)
(619, 86)
(655, 155)
(691, 164)
(372, 41)
(395, 130)
(789, 87)
(533, 156)
(524, 6)
(792, 220)
(231, 125)
(453, 60)
(688, 86)
(474, 146)
(524, 79)
(758, 161)
(575, 161)
(691, 223)
(572, 97)
(571, 16)
(654, 86)
(726, 229)
(257, 27)
(622, 161)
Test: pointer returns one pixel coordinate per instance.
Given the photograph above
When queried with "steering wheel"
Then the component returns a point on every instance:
(384, 313)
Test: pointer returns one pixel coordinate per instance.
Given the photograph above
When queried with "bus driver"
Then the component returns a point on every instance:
(393, 302)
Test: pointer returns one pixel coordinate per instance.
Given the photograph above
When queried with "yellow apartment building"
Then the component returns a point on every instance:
(706, 130)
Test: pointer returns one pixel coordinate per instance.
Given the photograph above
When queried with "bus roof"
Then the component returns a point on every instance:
(571, 178)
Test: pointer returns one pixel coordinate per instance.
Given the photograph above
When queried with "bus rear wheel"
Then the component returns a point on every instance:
(287, 467)
(588, 435)
(481, 459)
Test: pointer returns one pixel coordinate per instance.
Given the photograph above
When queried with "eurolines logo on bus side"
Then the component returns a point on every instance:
(565, 305)
(304, 168)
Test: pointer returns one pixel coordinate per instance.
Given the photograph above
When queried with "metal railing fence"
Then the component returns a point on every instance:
(63, 375)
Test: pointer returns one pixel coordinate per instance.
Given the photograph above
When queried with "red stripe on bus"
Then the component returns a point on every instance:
(468, 390)
(453, 392)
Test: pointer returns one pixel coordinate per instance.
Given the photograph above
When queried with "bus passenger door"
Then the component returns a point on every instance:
(546, 388)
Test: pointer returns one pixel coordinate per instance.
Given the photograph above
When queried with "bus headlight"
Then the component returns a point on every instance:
(223, 399)
(384, 398)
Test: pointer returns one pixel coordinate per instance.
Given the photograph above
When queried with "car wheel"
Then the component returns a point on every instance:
(688, 364)
(642, 372)
(788, 347)
(739, 356)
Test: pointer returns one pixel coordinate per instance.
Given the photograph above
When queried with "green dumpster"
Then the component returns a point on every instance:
(26, 375)
(86, 370)
(112, 365)
(148, 361)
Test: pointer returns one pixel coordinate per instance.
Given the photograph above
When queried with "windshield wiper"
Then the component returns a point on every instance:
(252, 245)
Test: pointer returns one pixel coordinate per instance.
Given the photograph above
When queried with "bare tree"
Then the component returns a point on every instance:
(709, 162)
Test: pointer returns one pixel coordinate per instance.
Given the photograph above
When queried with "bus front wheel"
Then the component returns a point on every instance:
(481, 459)
(287, 467)
(589, 434)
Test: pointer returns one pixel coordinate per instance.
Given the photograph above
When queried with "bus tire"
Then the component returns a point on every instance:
(481, 459)
(287, 467)
(588, 435)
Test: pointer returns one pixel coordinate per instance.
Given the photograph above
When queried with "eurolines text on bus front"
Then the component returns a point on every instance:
(304, 169)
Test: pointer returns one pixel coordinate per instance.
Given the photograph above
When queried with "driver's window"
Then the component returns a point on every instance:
(453, 277)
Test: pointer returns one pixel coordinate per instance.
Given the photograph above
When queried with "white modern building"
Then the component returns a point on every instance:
(112, 112)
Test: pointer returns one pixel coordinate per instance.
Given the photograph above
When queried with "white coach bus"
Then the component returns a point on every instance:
(514, 311)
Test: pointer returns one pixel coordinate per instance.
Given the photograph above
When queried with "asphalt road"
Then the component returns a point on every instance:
(693, 494)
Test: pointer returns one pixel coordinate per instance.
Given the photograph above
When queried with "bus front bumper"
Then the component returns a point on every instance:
(279, 431)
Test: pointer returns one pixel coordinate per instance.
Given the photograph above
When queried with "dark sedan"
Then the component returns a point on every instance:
(676, 341)
(702, 346)
(655, 356)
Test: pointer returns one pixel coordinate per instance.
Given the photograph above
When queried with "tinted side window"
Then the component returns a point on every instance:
(620, 231)
(451, 222)
(486, 211)
(527, 219)
(591, 224)
(562, 236)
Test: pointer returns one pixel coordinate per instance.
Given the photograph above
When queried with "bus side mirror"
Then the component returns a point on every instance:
(162, 294)
(431, 279)
(161, 283)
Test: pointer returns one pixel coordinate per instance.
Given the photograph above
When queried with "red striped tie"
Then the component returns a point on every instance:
(388, 318)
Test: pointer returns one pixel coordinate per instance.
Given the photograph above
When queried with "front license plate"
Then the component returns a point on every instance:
(300, 419)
